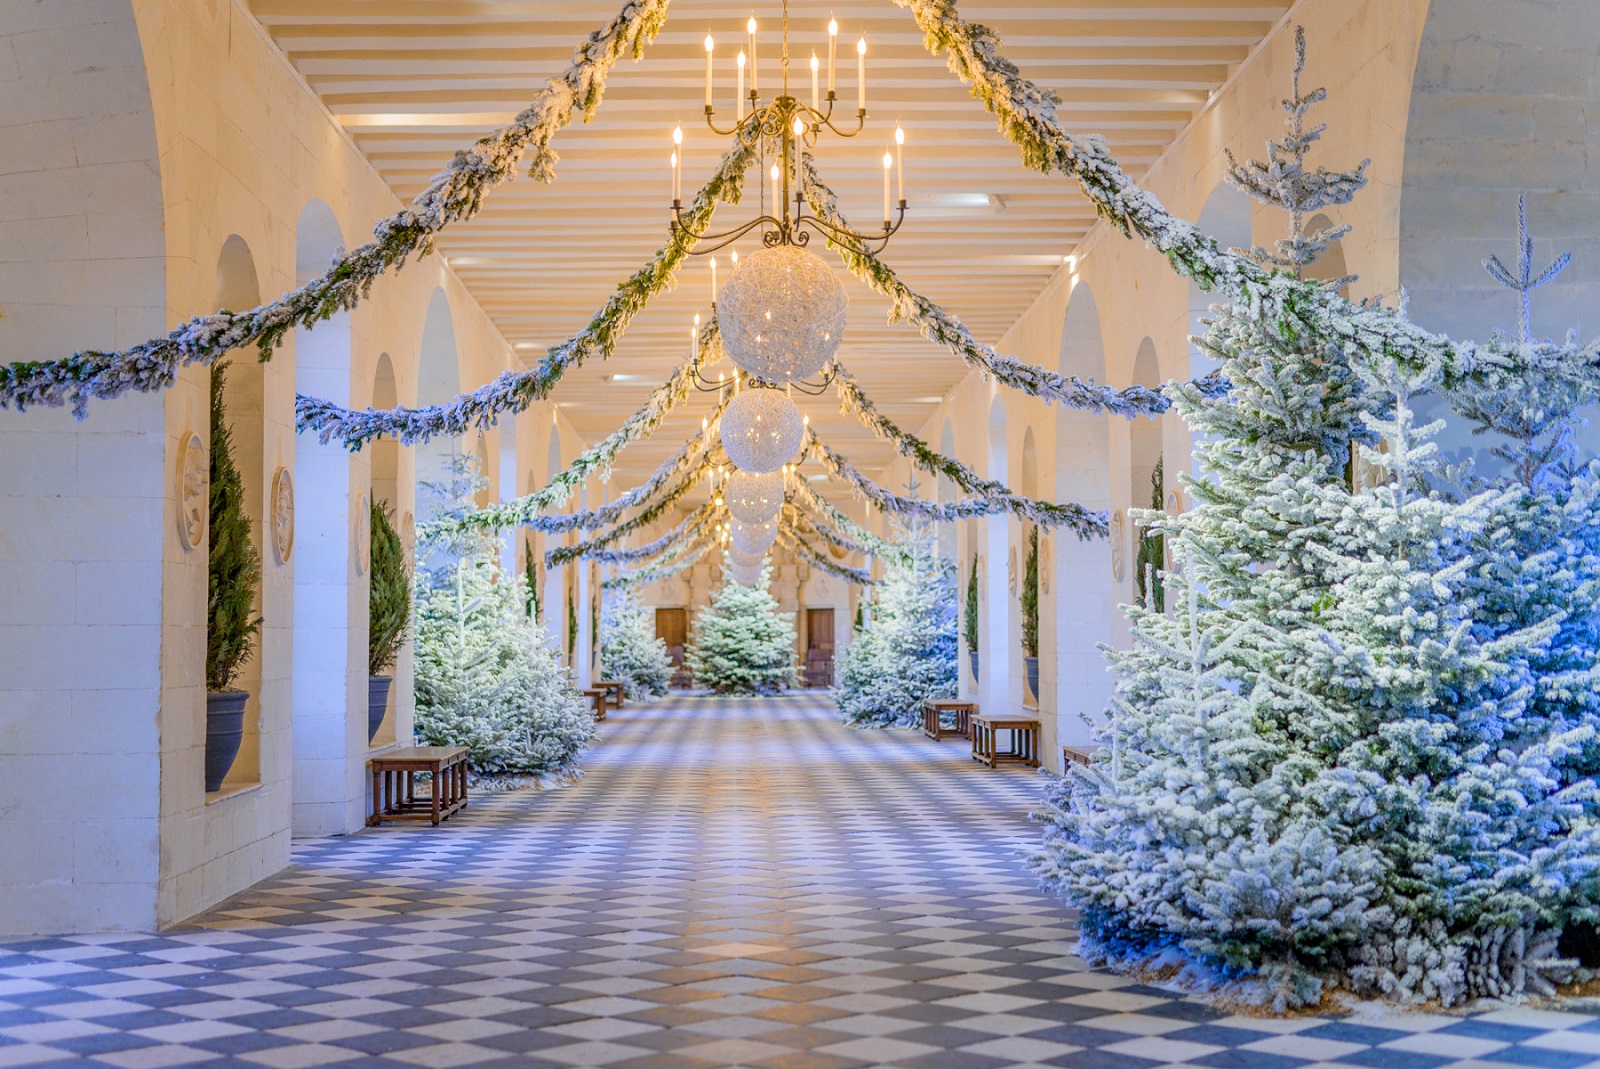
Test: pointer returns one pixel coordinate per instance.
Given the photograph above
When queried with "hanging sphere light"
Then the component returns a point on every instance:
(781, 316)
(745, 576)
(739, 556)
(754, 537)
(754, 498)
(761, 429)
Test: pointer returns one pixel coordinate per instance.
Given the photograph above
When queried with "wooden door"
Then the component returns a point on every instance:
(672, 627)
(819, 629)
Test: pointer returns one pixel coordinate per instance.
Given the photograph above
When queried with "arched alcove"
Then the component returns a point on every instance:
(237, 288)
(1146, 489)
(1330, 266)
(438, 380)
(1460, 183)
(1028, 486)
(385, 451)
(1083, 577)
(1000, 682)
(554, 600)
(1225, 216)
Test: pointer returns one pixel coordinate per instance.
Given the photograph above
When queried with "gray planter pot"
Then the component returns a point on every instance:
(973, 654)
(1031, 665)
(377, 703)
(224, 733)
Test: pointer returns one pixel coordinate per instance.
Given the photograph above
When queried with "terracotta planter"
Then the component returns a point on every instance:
(224, 733)
(1031, 664)
(973, 654)
(377, 703)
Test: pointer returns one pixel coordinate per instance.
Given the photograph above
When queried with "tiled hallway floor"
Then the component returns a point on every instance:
(734, 883)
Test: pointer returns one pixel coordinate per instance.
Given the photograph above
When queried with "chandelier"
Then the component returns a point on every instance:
(779, 128)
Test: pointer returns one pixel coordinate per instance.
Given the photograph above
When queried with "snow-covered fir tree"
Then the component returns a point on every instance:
(629, 649)
(742, 643)
(1359, 749)
(908, 652)
(485, 676)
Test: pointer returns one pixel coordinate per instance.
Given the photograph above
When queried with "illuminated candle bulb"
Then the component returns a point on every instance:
(816, 99)
(888, 165)
(673, 163)
(713, 280)
(735, 257)
(861, 74)
(740, 62)
(777, 191)
(900, 161)
(750, 27)
(710, 44)
(833, 51)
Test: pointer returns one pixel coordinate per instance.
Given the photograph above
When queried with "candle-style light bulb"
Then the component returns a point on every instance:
(673, 165)
(861, 74)
(833, 50)
(710, 47)
(888, 165)
(900, 160)
(816, 99)
(740, 61)
(777, 191)
(713, 280)
(750, 27)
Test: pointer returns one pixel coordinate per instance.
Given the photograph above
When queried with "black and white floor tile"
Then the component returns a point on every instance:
(734, 883)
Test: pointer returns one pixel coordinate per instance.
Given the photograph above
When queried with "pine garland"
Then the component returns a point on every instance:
(688, 529)
(791, 539)
(669, 564)
(562, 554)
(513, 391)
(1074, 517)
(453, 195)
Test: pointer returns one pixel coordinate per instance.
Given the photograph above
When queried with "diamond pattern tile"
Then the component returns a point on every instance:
(733, 884)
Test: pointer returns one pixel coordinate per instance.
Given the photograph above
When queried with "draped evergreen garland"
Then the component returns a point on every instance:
(455, 194)
(791, 539)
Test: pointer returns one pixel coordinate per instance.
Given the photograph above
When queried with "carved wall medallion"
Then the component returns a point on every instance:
(283, 515)
(1119, 525)
(363, 535)
(824, 588)
(194, 485)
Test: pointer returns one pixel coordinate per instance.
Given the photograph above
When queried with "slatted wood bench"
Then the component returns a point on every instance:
(394, 784)
(616, 692)
(597, 696)
(933, 724)
(1073, 755)
(1024, 742)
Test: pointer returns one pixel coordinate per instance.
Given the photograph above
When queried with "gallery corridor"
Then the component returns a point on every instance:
(734, 883)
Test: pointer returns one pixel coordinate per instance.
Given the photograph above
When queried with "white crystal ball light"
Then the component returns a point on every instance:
(753, 537)
(754, 498)
(781, 316)
(745, 576)
(761, 429)
(739, 556)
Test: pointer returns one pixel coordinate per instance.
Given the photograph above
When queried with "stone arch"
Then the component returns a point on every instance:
(945, 490)
(110, 692)
(999, 684)
(1145, 433)
(1497, 111)
(438, 380)
(1225, 216)
(386, 451)
(1083, 581)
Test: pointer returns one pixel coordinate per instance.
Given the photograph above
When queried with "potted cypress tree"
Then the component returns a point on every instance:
(970, 623)
(232, 625)
(388, 612)
(1030, 615)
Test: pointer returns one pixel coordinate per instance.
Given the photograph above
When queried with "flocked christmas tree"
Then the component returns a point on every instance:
(742, 643)
(1357, 752)
(908, 652)
(485, 677)
(629, 649)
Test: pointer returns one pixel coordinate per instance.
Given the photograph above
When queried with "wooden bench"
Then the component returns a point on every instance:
(1073, 755)
(394, 784)
(616, 693)
(1024, 742)
(597, 695)
(933, 719)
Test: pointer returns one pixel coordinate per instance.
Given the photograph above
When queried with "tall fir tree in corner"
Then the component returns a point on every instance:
(485, 676)
(630, 651)
(1347, 756)
(908, 652)
(742, 642)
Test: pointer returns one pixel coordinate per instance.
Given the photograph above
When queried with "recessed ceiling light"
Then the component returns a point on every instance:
(927, 400)
(526, 345)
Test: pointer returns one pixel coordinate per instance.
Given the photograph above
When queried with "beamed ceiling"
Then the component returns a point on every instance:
(413, 80)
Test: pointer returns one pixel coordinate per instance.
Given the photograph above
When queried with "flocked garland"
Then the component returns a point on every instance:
(1080, 521)
(453, 195)
(697, 471)
(791, 539)
(513, 391)
(688, 529)
(665, 568)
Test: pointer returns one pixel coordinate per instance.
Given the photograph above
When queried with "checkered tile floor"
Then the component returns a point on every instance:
(734, 884)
